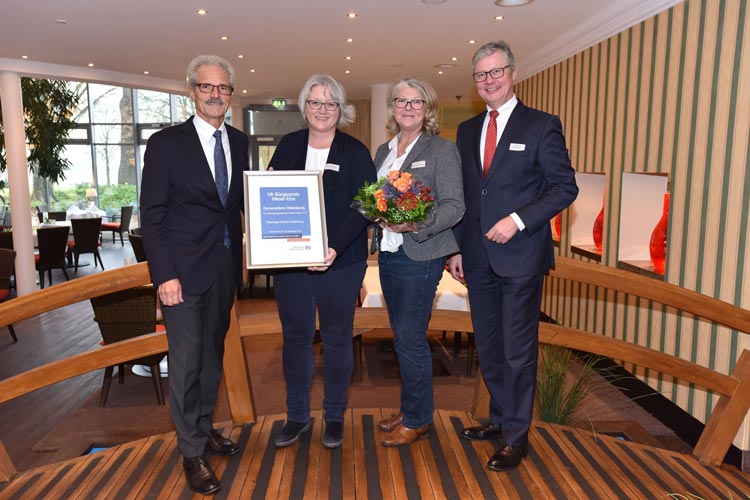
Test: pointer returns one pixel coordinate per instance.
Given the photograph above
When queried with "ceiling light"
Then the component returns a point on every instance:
(512, 3)
(61, 21)
(454, 58)
(201, 12)
(349, 40)
(241, 56)
(440, 72)
(348, 58)
(225, 38)
(446, 66)
(347, 71)
(91, 65)
(498, 18)
(24, 57)
(252, 71)
(244, 91)
(472, 41)
(433, 2)
(145, 72)
(351, 15)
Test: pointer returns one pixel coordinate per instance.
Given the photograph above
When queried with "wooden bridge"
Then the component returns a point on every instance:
(563, 462)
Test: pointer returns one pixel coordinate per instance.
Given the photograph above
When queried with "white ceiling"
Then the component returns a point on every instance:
(285, 41)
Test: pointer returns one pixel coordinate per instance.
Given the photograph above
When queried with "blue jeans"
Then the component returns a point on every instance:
(334, 294)
(409, 289)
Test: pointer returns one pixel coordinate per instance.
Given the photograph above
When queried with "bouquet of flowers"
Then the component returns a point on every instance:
(394, 199)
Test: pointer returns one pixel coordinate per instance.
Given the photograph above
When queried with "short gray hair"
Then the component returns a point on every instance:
(347, 112)
(490, 48)
(430, 123)
(208, 60)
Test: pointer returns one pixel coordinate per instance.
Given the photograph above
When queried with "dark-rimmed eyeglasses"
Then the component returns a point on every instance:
(416, 104)
(496, 73)
(208, 88)
(330, 105)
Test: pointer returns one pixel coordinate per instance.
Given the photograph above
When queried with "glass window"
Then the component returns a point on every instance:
(184, 108)
(153, 107)
(110, 104)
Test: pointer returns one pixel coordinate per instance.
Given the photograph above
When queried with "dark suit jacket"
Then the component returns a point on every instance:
(536, 183)
(181, 214)
(345, 226)
(435, 162)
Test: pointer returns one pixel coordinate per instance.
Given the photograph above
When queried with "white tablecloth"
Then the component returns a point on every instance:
(56, 224)
(90, 212)
(450, 294)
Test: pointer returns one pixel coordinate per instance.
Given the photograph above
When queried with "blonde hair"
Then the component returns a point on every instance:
(430, 123)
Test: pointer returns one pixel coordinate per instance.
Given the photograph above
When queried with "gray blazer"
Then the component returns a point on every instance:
(436, 163)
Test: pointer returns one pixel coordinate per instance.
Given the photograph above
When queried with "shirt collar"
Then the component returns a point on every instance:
(507, 107)
(206, 130)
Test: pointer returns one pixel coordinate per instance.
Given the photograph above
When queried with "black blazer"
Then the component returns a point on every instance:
(531, 175)
(345, 226)
(181, 214)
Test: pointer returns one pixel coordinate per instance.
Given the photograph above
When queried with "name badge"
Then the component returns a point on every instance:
(418, 164)
(331, 166)
(517, 147)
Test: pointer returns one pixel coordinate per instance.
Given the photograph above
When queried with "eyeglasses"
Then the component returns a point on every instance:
(496, 73)
(208, 88)
(330, 105)
(416, 104)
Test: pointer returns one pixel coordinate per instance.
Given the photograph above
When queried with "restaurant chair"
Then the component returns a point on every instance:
(6, 241)
(125, 315)
(136, 243)
(52, 241)
(58, 216)
(86, 239)
(6, 221)
(126, 213)
(137, 230)
(7, 257)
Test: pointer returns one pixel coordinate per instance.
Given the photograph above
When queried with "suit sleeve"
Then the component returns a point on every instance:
(154, 206)
(559, 176)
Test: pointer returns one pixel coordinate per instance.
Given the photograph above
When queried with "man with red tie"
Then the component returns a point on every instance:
(517, 176)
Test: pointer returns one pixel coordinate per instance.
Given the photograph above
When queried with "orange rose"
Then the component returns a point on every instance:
(393, 175)
(378, 194)
(382, 204)
(403, 183)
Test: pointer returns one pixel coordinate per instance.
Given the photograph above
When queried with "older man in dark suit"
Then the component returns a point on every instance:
(191, 196)
(517, 176)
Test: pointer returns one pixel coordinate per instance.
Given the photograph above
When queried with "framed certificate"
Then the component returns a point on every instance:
(285, 222)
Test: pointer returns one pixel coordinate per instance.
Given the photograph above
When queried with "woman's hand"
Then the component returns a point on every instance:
(329, 258)
(404, 227)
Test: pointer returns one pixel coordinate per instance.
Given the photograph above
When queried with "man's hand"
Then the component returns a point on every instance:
(502, 231)
(330, 257)
(170, 292)
(456, 268)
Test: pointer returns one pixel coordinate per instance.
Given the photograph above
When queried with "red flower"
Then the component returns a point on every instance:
(407, 201)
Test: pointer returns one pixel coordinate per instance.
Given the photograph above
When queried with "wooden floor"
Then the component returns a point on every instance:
(563, 463)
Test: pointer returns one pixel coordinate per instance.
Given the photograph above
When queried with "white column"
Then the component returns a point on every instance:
(18, 180)
(378, 115)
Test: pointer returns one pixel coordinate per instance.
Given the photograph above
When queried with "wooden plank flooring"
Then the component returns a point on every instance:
(563, 463)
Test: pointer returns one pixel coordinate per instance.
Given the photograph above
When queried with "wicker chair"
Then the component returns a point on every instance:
(86, 236)
(58, 216)
(52, 242)
(126, 213)
(7, 257)
(124, 315)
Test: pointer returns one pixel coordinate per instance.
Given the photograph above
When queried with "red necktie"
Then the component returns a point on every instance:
(490, 143)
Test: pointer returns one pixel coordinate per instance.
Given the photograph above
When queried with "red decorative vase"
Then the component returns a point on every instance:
(658, 245)
(558, 225)
(599, 228)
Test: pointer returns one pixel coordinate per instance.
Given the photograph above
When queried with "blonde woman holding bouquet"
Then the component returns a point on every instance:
(413, 254)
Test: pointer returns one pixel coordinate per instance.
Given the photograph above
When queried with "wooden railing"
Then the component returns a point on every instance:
(716, 439)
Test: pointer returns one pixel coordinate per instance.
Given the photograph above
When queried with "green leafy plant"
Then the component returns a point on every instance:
(48, 106)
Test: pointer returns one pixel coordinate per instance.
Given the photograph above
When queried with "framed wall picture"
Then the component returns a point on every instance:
(285, 224)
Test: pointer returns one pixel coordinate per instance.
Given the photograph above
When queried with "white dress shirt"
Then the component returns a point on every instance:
(208, 142)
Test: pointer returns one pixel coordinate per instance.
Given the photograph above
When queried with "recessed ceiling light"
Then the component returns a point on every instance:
(440, 72)
(24, 57)
(252, 71)
(454, 58)
(351, 15)
(512, 3)
(241, 56)
(446, 66)
(61, 21)
(349, 40)
(91, 65)
(347, 71)
(225, 38)
(472, 41)
(498, 18)
(244, 91)
(201, 12)
(145, 72)
(348, 58)
(433, 2)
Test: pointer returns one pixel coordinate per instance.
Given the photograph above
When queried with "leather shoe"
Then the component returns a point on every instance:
(403, 435)
(390, 423)
(219, 445)
(200, 475)
(290, 433)
(508, 457)
(482, 432)
(333, 436)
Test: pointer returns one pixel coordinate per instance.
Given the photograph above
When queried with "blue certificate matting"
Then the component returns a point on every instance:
(284, 212)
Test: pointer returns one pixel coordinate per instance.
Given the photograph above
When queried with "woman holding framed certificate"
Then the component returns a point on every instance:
(332, 290)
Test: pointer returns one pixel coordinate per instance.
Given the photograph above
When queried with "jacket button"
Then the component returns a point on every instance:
(484, 191)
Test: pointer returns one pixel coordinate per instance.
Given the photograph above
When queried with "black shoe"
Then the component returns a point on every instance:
(333, 437)
(482, 433)
(200, 476)
(508, 457)
(290, 433)
(219, 445)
